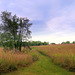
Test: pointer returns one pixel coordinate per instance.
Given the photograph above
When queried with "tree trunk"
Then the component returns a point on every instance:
(28, 46)
(20, 46)
(14, 43)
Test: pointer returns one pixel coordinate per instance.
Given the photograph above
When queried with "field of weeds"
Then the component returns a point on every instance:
(12, 60)
(63, 55)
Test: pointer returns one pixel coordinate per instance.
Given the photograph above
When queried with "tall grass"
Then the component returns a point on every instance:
(63, 55)
(13, 60)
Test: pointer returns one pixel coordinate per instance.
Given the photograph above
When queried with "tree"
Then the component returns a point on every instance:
(73, 42)
(9, 24)
(67, 42)
(37, 43)
(23, 31)
(17, 27)
(52, 43)
(63, 43)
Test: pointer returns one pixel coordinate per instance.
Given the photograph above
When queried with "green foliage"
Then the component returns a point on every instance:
(15, 28)
(67, 42)
(73, 42)
(52, 43)
(12, 67)
(37, 43)
(34, 55)
(25, 50)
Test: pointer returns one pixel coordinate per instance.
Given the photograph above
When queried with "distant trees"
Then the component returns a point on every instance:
(52, 43)
(13, 28)
(37, 43)
(67, 42)
(73, 42)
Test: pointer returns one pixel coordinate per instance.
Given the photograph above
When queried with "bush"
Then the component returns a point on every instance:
(12, 67)
(34, 55)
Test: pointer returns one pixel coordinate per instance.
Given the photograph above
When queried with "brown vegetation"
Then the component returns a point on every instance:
(11, 60)
(63, 55)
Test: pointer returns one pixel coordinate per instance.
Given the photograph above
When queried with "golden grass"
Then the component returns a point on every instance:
(11, 60)
(63, 55)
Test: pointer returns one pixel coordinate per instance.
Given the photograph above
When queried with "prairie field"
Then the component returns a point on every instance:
(49, 61)
(62, 54)
(11, 60)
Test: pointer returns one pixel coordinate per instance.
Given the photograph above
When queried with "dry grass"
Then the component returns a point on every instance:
(63, 55)
(11, 60)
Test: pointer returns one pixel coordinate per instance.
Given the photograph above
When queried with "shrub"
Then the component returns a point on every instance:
(34, 55)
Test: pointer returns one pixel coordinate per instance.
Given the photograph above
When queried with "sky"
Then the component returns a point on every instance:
(52, 20)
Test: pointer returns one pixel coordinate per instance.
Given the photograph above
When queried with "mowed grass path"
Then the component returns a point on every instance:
(43, 66)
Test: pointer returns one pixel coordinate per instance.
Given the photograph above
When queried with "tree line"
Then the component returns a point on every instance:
(37, 43)
(30, 43)
(66, 42)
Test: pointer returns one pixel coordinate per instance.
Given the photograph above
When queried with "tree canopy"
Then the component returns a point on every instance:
(16, 27)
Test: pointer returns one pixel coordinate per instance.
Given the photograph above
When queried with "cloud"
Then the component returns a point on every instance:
(23, 8)
(64, 22)
(53, 20)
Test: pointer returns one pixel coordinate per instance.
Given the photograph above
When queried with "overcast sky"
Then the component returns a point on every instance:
(53, 20)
